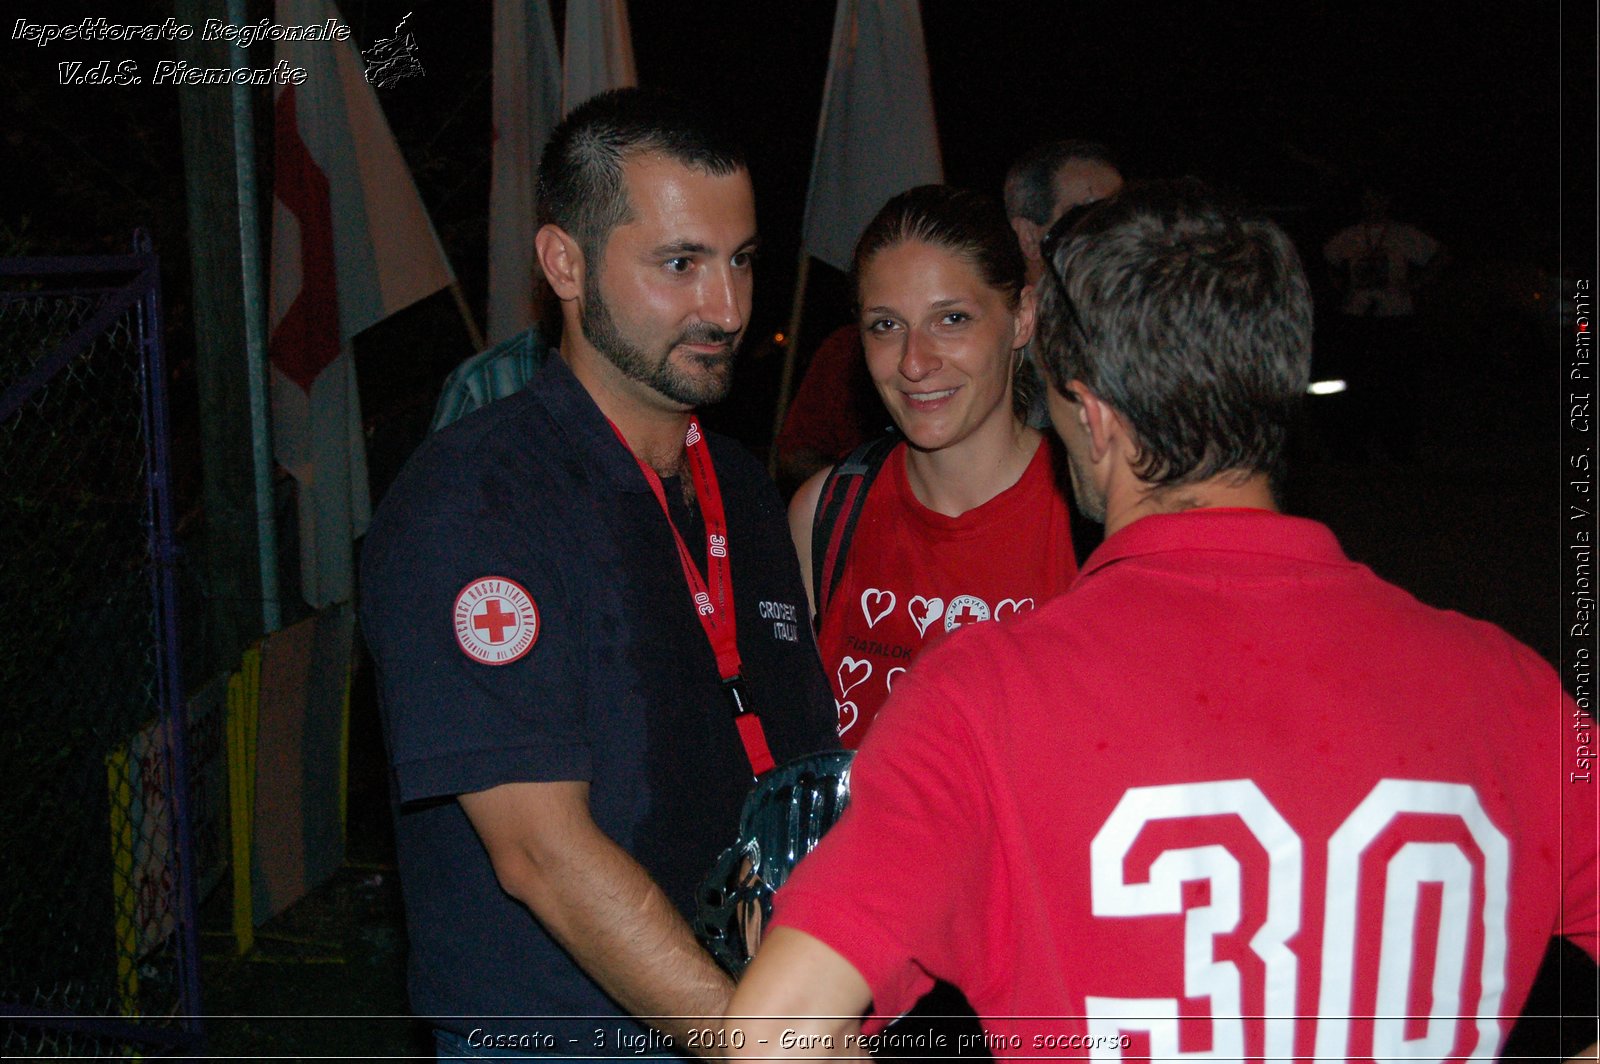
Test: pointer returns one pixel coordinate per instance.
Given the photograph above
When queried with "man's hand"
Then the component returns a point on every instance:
(598, 903)
(799, 998)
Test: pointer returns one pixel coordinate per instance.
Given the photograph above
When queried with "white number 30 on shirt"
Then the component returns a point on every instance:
(1410, 866)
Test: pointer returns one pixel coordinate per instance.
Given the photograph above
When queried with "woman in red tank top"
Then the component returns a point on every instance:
(967, 521)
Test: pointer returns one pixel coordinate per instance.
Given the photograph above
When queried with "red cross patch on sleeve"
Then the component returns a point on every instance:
(495, 620)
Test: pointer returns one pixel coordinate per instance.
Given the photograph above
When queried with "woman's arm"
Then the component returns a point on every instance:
(802, 511)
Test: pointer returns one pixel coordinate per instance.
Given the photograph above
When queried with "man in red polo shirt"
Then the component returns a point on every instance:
(1231, 795)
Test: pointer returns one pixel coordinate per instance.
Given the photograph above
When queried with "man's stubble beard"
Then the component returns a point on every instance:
(1089, 505)
(659, 374)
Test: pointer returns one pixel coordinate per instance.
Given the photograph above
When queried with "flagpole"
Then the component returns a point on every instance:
(466, 316)
(842, 16)
(875, 137)
(791, 343)
(255, 332)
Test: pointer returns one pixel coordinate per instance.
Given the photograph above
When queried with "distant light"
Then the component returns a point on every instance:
(1326, 387)
(777, 338)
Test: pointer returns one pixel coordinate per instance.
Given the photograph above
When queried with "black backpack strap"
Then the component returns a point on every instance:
(844, 493)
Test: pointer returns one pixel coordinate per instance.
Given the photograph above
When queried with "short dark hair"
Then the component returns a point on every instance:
(965, 223)
(1030, 183)
(1190, 317)
(580, 175)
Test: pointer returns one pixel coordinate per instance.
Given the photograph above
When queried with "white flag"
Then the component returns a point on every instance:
(876, 136)
(527, 106)
(351, 244)
(598, 52)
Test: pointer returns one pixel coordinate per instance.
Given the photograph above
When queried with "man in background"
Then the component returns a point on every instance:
(1379, 264)
(1047, 181)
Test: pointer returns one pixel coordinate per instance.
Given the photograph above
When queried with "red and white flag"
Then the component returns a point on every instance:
(877, 135)
(527, 106)
(351, 244)
(599, 51)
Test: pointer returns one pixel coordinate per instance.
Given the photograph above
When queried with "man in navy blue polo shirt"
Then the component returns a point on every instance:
(586, 616)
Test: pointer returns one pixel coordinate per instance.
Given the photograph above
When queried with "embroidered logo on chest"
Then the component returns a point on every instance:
(785, 620)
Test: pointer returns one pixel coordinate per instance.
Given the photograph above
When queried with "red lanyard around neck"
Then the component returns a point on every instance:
(713, 599)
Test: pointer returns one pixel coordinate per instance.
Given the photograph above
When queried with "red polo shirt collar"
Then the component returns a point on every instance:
(1231, 530)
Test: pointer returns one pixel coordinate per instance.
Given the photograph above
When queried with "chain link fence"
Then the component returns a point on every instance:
(97, 925)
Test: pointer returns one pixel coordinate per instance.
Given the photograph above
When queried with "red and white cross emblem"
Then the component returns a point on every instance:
(965, 609)
(495, 620)
(490, 619)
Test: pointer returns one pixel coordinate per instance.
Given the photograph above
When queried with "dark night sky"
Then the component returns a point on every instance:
(1456, 107)
(1453, 105)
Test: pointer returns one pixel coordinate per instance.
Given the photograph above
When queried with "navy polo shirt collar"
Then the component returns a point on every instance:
(584, 426)
(1227, 530)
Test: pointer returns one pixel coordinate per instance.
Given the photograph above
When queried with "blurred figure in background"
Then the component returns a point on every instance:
(1378, 266)
(1047, 181)
(835, 410)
